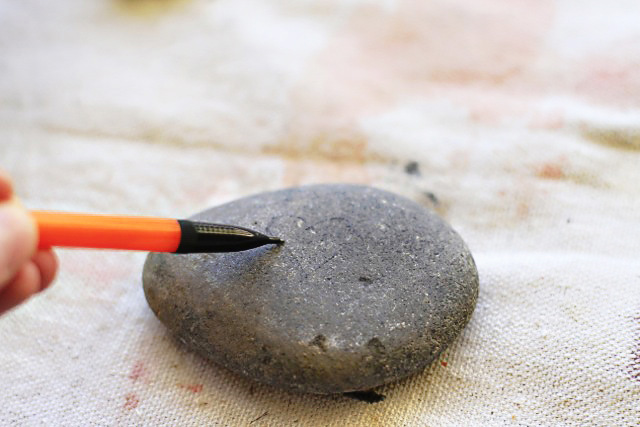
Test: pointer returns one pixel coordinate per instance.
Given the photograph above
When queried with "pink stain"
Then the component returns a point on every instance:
(131, 401)
(611, 78)
(138, 371)
(551, 170)
(193, 388)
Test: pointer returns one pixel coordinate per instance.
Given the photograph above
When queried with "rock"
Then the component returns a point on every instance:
(369, 287)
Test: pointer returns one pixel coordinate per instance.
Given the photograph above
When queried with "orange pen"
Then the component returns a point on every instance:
(143, 233)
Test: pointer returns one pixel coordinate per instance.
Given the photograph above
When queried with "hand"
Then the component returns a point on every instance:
(24, 270)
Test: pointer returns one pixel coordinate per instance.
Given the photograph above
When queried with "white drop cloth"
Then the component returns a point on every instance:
(524, 119)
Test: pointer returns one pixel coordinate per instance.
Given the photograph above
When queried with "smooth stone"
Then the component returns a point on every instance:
(369, 287)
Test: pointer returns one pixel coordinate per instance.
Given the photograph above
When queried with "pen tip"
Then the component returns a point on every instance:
(276, 240)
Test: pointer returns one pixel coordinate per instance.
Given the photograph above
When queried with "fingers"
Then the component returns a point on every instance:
(47, 264)
(23, 271)
(34, 276)
(26, 283)
(17, 239)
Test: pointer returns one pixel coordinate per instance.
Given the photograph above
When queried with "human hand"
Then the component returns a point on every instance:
(24, 270)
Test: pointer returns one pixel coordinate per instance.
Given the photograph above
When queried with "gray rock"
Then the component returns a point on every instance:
(369, 287)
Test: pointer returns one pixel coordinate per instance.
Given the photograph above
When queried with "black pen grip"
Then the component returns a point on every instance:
(203, 237)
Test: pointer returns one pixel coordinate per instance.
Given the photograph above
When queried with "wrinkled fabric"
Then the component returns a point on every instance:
(518, 122)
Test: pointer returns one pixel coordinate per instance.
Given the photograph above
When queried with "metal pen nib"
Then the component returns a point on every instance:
(200, 237)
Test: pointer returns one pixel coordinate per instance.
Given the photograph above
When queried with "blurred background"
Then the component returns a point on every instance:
(517, 121)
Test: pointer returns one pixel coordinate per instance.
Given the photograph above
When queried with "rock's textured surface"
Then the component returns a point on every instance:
(369, 287)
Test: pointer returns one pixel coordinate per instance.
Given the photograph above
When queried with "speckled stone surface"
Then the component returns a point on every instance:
(369, 287)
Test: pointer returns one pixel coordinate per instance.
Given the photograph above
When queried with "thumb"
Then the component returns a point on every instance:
(18, 239)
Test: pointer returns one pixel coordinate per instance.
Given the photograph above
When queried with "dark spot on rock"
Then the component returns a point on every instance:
(376, 346)
(365, 396)
(365, 280)
(266, 359)
(412, 168)
(319, 341)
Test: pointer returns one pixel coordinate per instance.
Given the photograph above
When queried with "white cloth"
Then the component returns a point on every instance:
(524, 118)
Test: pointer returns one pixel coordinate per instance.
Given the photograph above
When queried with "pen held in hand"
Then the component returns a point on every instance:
(143, 233)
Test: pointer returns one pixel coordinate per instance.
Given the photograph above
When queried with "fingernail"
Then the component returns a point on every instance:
(17, 239)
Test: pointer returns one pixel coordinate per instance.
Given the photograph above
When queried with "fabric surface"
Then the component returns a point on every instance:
(519, 122)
